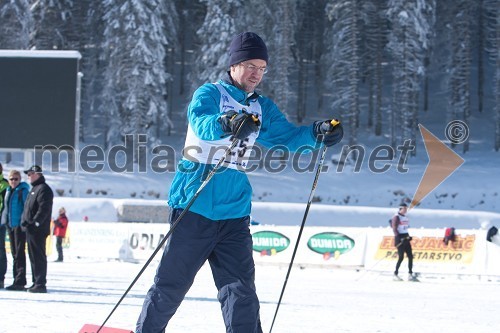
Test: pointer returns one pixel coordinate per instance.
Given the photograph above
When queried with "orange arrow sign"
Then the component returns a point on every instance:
(443, 161)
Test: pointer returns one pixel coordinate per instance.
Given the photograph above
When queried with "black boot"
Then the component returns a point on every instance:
(37, 288)
(15, 287)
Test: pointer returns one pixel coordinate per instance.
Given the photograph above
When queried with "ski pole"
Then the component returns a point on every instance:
(227, 151)
(380, 260)
(334, 123)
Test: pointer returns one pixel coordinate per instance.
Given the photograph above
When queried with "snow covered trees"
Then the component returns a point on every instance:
(135, 80)
(412, 23)
(16, 24)
(371, 62)
(343, 61)
(493, 50)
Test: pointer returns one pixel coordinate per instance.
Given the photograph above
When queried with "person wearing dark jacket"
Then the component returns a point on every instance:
(60, 226)
(16, 195)
(36, 220)
(3, 255)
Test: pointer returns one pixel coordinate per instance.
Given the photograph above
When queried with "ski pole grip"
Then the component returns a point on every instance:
(333, 122)
(256, 120)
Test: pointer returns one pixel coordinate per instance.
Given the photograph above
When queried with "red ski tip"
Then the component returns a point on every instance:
(91, 328)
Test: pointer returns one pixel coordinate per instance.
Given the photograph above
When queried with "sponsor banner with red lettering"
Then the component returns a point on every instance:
(372, 248)
(430, 254)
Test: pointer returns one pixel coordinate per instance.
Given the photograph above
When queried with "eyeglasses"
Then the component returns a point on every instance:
(250, 67)
(14, 179)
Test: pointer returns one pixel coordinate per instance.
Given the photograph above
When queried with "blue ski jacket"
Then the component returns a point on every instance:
(14, 205)
(228, 194)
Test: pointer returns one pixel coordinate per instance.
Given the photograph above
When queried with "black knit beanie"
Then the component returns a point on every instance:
(246, 46)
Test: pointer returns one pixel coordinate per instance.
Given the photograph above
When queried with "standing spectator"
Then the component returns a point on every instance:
(216, 226)
(60, 227)
(36, 221)
(3, 255)
(402, 241)
(15, 198)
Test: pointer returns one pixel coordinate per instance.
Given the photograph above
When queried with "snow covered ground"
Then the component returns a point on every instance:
(316, 300)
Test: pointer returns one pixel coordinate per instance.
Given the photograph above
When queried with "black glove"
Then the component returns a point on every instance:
(241, 125)
(28, 226)
(331, 134)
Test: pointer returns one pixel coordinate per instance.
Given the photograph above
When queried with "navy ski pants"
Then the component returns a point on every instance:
(227, 244)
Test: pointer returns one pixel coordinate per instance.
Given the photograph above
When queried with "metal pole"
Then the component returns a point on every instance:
(334, 123)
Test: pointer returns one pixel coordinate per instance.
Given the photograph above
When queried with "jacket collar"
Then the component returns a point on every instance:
(20, 186)
(239, 95)
(39, 181)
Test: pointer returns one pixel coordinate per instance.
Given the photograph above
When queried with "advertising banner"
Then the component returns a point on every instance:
(464, 255)
(371, 248)
(125, 241)
(432, 249)
(318, 245)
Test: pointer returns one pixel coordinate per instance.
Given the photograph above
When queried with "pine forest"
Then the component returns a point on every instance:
(377, 64)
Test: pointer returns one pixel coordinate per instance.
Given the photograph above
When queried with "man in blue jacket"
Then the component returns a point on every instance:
(11, 217)
(216, 226)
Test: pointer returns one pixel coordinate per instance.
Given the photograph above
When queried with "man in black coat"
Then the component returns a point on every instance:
(36, 220)
(4, 184)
